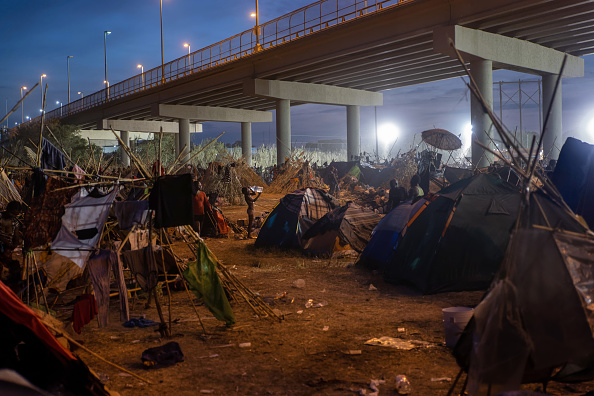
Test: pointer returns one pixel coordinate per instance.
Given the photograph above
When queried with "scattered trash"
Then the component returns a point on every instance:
(299, 312)
(163, 356)
(326, 328)
(245, 345)
(401, 330)
(135, 342)
(113, 337)
(398, 343)
(299, 283)
(280, 295)
(373, 385)
(103, 377)
(352, 352)
(372, 288)
(310, 304)
(402, 385)
(441, 379)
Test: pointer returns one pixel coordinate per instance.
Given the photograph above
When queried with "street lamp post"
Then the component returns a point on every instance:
(68, 74)
(105, 34)
(41, 85)
(188, 45)
(162, 56)
(81, 94)
(141, 74)
(60, 103)
(257, 29)
(21, 104)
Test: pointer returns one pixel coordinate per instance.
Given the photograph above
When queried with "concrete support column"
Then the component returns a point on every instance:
(184, 138)
(246, 142)
(283, 130)
(125, 136)
(353, 132)
(176, 139)
(553, 138)
(482, 127)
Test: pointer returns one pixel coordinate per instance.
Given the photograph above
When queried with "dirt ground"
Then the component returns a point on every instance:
(313, 351)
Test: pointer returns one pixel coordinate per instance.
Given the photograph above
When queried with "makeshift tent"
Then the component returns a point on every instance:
(27, 347)
(378, 253)
(82, 224)
(574, 177)
(346, 227)
(458, 241)
(537, 318)
(292, 216)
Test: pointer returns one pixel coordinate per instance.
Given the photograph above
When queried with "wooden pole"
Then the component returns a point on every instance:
(41, 129)
(201, 150)
(40, 283)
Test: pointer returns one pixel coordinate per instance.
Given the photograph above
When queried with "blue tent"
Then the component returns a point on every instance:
(379, 251)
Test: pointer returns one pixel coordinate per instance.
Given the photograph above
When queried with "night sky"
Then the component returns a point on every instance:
(38, 35)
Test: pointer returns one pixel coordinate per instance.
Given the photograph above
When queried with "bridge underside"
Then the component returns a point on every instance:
(389, 49)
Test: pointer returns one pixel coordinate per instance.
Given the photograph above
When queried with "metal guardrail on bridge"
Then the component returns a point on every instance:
(292, 26)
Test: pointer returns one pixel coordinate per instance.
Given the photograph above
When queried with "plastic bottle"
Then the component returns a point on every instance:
(402, 385)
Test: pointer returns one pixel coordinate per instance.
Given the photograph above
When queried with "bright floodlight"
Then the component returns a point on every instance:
(467, 135)
(590, 127)
(387, 133)
(253, 14)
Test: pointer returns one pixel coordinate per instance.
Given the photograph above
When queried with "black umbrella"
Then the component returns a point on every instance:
(441, 139)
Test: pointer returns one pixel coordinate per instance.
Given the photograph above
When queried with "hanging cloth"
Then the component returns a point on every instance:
(172, 200)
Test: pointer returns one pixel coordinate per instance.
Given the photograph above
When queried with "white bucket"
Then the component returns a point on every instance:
(455, 320)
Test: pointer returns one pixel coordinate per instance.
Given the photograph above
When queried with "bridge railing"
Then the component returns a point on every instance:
(294, 25)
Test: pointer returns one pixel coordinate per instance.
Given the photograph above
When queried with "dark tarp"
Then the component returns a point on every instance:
(537, 316)
(574, 177)
(457, 243)
(172, 199)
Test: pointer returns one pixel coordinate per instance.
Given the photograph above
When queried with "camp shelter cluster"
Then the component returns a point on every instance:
(82, 240)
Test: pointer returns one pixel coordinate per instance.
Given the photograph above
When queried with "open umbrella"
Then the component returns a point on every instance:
(441, 139)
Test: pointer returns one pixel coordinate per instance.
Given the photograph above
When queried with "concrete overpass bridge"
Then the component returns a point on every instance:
(345, 52)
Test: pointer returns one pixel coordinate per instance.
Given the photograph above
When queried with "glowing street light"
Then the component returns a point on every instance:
(41, 85)
(81, 94)
(141, 74)
(60, 103)
(257, 28)
(22, 103)
(105, 34)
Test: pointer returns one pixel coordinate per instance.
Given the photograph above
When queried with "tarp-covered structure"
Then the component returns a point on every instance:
(28, 348)
(348, 227)
(536, 323)
(458, 241)
(574, 177)
(292, 216)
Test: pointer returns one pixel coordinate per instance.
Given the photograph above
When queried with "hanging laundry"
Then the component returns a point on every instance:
(171, 198)
(85, 310)
(130, 213)
(82, 224)
(99, 266)
(143, 265)
(51, 156)
(139, 239)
